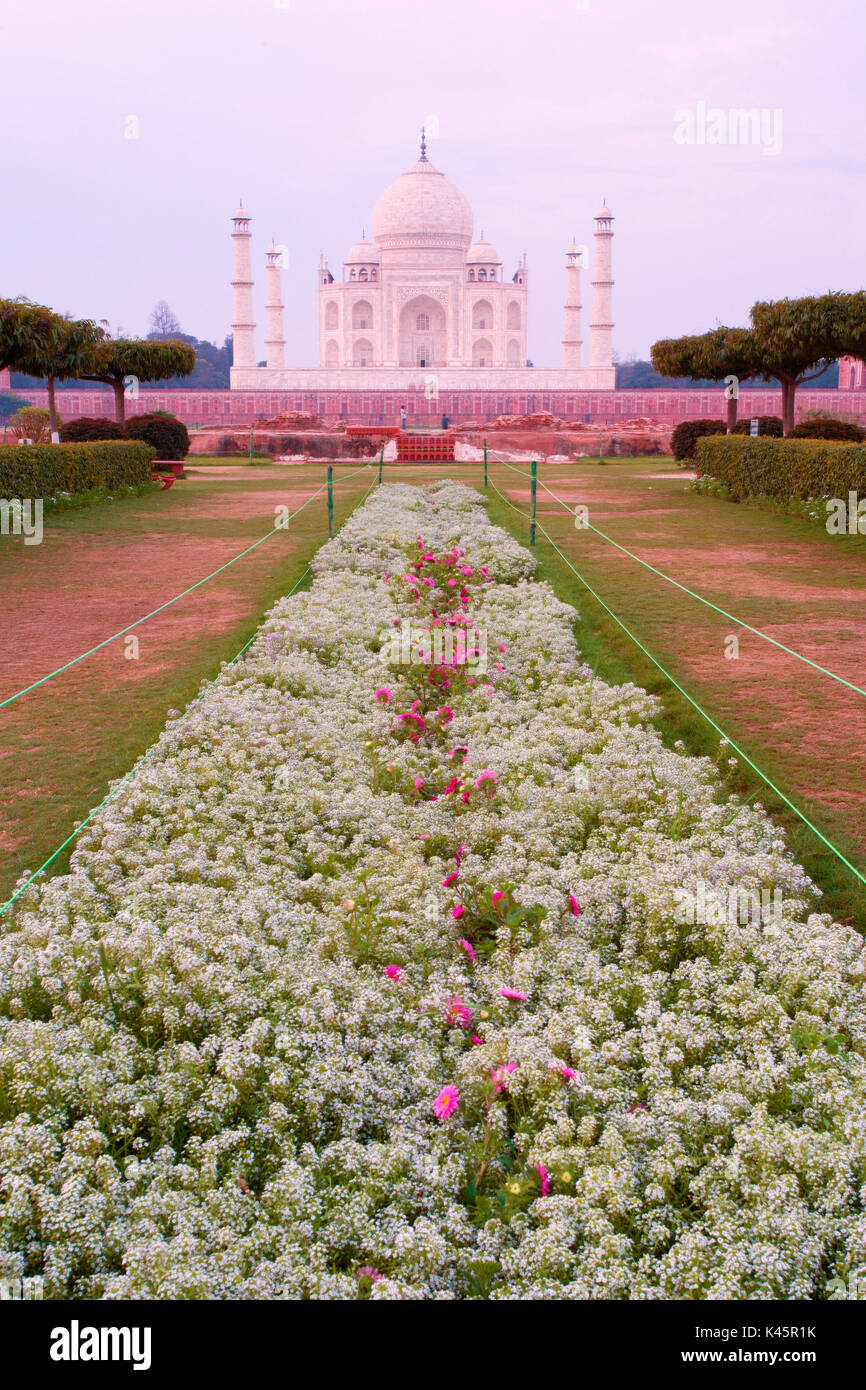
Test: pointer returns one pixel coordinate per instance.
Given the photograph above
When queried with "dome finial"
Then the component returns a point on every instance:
(423, 143)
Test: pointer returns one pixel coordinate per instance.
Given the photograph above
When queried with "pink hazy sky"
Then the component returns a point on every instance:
(308, 109)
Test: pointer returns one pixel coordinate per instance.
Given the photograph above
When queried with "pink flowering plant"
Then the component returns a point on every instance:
(310, 1019)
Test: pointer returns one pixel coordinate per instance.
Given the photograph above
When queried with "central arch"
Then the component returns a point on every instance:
(422, 333)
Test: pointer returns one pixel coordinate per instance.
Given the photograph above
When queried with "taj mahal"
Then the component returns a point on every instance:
(422, 303)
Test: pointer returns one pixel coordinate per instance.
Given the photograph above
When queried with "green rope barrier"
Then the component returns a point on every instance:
(140, 762)
(75, 660)
(135, 767)
(764, 778)
(732, 617)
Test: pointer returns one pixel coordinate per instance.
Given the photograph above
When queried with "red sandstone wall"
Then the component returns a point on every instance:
(216, 408)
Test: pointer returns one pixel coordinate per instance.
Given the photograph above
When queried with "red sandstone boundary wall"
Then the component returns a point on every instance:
(459, 407)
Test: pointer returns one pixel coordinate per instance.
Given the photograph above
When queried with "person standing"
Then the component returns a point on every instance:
(402, 417)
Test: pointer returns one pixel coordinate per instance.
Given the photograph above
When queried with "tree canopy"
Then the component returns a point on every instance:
(797, 338)
(36, 340)
(790, 341)
(115, 360)
(713, 356)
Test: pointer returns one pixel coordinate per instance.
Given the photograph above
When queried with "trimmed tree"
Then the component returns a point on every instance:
(36, 340)
(797, 339)
(710, 356)
(115, 359)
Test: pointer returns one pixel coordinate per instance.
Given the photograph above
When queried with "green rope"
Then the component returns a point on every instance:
(732, 617)
(139, 763)
(113, 792)
(509, 504)
(75, 660)
(709, 719)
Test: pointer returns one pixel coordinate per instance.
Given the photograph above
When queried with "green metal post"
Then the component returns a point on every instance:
(330, 500)
(381, 461)
(600, 454)
(534, 490)
(485, 463)
(252, 427)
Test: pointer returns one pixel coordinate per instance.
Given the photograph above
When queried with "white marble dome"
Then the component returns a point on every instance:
(363, 251)
(482, 252)
(422, 208)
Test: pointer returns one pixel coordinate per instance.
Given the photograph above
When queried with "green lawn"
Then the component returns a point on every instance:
(99, 569)
(782, 575)
(102, 567)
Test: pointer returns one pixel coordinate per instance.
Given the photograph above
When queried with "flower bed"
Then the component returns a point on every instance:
(374, 979)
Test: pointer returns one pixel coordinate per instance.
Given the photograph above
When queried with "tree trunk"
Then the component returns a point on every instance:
(119, 406)
(789, 386)
(53, 421)
(732, 413)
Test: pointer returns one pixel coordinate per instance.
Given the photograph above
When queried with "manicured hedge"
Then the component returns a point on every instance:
(828, 429)
(687, 434)
(168, 436)
(782, 468)
(767, 424)
(85, 428)
(41, 470)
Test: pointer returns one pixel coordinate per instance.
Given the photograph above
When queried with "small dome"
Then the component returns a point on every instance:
(482, 251)
(363, 251)
(605, 211)
(241, 212)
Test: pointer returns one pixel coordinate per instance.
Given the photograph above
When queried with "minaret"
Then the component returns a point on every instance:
(275, 343)
(243, 322)
(571, 340)
(601, 328)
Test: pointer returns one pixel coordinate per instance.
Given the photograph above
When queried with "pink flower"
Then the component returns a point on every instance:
(394, 972)
(459, 855)
(368, 1272)
(545, 1179)
(512, 994)
(476, 1041)
(446, 714)
(446, 1102)
(451, 878)
(383, 694)
(452, 786)
(387, 574)
(468, 948)
(457, 1013)
(495, 897)
(457, 911)
(501, 1074)
(573, 904)
(419, 782)
(416, 719)
(500, 646)
(565, 1072)
(488, 775)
